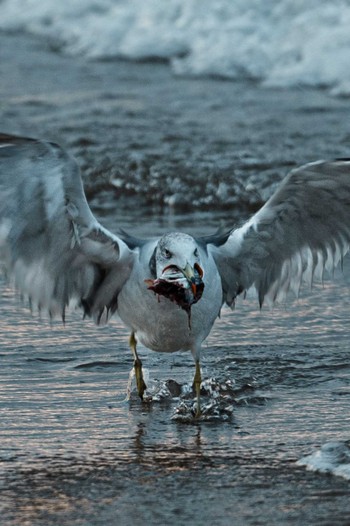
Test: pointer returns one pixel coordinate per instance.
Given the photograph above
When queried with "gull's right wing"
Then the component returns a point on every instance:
(51, 245)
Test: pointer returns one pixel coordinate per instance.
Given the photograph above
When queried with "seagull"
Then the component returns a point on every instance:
(168, 290)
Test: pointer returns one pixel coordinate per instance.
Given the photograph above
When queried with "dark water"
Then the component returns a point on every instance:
(73, 450)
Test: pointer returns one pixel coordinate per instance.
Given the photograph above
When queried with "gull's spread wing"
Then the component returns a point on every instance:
(301, 230)
(50, 242)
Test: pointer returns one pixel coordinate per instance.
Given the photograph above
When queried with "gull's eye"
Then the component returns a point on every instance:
(167, 253)
(195, 253)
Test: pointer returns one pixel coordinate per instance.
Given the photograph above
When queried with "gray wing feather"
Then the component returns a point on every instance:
(303, 229)
(50, 242)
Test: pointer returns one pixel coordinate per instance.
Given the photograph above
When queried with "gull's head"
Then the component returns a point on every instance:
(178, 269)
(178, 260)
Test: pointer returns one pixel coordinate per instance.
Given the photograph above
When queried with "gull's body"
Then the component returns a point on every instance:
(153, 318)
(56, 252)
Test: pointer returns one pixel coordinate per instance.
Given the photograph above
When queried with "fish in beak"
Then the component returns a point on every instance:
(182, 286)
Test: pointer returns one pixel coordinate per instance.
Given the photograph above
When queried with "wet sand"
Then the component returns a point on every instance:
(72, 450)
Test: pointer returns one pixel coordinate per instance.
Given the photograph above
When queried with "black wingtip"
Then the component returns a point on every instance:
(132, 241)
(14, 139)
(218, 239)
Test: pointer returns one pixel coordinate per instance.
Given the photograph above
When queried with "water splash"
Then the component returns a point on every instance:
(332, 457)
(219, 397)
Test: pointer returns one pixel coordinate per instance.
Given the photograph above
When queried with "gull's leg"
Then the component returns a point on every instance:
(140, 383)
(197, 381)
(197, 385)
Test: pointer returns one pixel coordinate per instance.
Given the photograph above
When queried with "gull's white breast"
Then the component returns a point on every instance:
(159, 323)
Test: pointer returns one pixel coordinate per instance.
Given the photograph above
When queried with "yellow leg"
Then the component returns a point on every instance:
(140, 383)
(197, 385)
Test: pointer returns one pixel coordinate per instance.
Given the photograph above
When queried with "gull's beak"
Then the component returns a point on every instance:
(189, 273)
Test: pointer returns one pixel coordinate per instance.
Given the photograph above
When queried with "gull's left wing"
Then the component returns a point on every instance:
(303, 229)
(51, 245)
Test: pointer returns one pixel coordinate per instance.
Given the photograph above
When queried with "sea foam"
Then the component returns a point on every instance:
(279, 44)
(332, 458)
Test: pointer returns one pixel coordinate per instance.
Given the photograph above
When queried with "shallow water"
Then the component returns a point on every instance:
(167, 143)
(73, 450)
